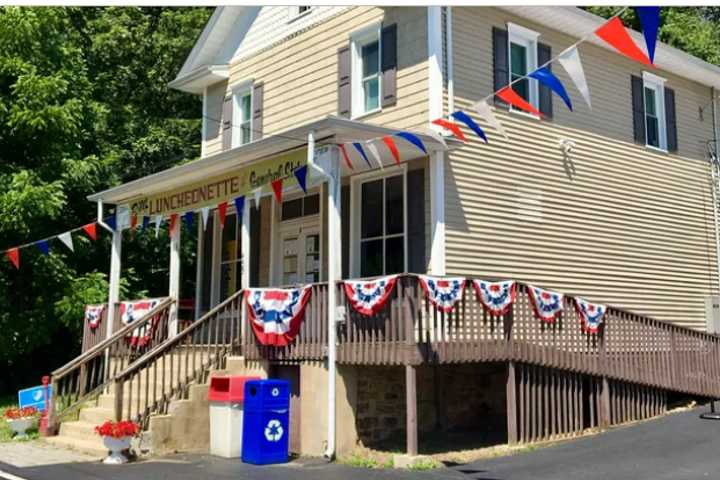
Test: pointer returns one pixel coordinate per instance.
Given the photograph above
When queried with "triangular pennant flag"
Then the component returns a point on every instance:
(112, 222)
(376, 155)
(345, 155)
(392, 147)
(66, 239)
(547, 78)
(158, 222)
(614, 33)
(359, 148)
(222, 213)
(43, 246)
(91, 230)
(188, 217)
(412, 138)
(240, 205)
(13, 254)
(650, 22)
(570, 60)
(258, 195)
(467, 120)
(435, 136)
(453, 127)
(277, 189)
(205, 212)
(301, 176)
(509, 95)
(145, 223)
(133, 220)
(484, 110)
(173, 223)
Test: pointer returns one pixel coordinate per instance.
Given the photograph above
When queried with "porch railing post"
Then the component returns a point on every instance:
(511, 404)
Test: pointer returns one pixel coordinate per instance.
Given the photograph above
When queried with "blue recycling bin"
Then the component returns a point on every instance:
(266, 426)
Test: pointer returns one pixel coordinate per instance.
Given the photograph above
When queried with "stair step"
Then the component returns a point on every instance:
(96, 415)
(79, 429)
(90, 446)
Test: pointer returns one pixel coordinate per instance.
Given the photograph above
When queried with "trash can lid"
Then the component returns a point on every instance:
(229, 388)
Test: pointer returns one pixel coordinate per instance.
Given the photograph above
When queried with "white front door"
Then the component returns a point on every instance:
(299, 254)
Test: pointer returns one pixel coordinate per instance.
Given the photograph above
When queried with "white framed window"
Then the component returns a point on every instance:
(242, 116)
(296, 11)
(654, 102)
(522, 59)
(366, 71)
(379, 224)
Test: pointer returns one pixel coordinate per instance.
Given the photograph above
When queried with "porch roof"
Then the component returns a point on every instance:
(331, 127)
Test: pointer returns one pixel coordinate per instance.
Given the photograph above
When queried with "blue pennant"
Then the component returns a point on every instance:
(44, 246)
(465, 118)
(240, 207)
(414, 139)
(359, 148)
(146, 223)
(545, 76)
(112, 222)
(188, 216)
(301, 175)
(650, 22)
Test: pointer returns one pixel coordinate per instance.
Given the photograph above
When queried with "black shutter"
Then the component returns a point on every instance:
(227, 123)
(416, 221)
(388, 47)
(345, 229)
(344, 85)
(254, 244)
(670, 120)
(544, 54)
(257, 112)
(638, 109)
(501, 70)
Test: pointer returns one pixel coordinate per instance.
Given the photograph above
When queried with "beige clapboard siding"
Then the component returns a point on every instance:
(631, 227)
(300, 73)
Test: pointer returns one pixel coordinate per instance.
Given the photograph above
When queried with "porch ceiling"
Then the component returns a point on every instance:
(331, 127)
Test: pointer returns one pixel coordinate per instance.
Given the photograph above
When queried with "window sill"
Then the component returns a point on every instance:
(522, 113)
(366, 114)
(657, 149)
(299, 16)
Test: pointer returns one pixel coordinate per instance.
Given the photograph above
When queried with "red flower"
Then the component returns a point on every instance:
(14, 413)
(121, 429)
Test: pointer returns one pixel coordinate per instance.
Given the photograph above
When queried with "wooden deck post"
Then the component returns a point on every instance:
(511, 399)
(604, 413)
(411, 404)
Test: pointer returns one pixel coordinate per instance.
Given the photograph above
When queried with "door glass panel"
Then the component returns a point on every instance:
(312, 258)
(371, 258)
(394, 255)
(394, 205)
(207, 263)
(290, 260)
(230, 258)
(372, 204)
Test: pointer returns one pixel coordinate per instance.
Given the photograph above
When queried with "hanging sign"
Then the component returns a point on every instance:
(443, 293)
(222, 188)
(369, 296)
(276, 314)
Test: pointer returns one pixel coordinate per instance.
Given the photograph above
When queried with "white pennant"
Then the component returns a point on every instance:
(205, 211)
(570, 60)
(485, 111)
(158, 222)
(66, 238)
(436, 136)
(258, 194)
(375, 154)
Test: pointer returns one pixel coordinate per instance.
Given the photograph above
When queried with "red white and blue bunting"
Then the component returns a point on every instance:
(591, 314)
(93, 315)
(276, 314)
(546, 304)
(369, 296)
(133, 311)
(442, 293)
(496, 297)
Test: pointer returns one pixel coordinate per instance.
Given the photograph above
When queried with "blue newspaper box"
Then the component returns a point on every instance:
(266, 423)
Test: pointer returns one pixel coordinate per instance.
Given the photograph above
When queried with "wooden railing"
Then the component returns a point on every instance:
(89, 373)
(164, 373)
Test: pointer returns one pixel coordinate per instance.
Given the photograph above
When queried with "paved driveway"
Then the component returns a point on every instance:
(678, 447)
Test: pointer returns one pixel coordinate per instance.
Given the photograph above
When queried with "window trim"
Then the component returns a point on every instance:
(657, 84)
(294, 12)
(357, 40)
(356, 182)
(529, 39)
(238, 92)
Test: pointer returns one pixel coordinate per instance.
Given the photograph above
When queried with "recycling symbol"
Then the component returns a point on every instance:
(274, 431)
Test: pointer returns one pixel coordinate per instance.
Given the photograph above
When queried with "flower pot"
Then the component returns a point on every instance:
(20, 426)
(116, 447)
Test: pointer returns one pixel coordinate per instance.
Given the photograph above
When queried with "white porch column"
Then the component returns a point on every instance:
(245, 261)
(334, 272)
(115, 268)
(437, 212)
(174, 287)
(435, 61)
(199, 266)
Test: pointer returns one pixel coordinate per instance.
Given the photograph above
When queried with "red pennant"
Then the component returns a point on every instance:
(91, 230)
(13, 255)
(614, 33)
(345, 156)
(393, 148)
(133, 220)
(277, 189)
(222, 212)
(510, 96)
(173, 223)
(453, 127)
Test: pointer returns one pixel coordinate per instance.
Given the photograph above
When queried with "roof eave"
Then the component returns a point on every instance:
(196, 81)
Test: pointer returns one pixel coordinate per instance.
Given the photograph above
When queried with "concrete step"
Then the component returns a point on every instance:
(78, 429)
(96, 415)
(91, 446)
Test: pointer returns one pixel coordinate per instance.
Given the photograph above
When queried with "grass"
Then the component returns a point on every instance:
(423, 465)
(6, 433)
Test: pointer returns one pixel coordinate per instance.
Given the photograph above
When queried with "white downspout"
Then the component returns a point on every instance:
(435, 80)
(449, 60)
